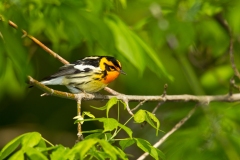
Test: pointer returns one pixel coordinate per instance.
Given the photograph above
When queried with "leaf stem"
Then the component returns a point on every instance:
(48, 142)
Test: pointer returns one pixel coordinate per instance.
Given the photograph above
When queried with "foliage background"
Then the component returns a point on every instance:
(178, 42)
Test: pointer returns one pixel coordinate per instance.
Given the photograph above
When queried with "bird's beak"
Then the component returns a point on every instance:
(122, 72)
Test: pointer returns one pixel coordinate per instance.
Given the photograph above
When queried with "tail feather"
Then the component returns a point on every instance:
(53, 81)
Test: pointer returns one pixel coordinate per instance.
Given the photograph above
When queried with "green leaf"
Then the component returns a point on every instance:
(140, 116)
(124, 104)
(100, 108)
(147, 147)
(32, 153)
(109, 124)
(126, 143)
(152, 57)
(94, 135)
(88, 114)
(111, 150)
(149, 118)
(123, 3)
(134, 48)
(31, 139)
(59, 153)
(93, 131)
(143, 115)
(11, 146)
(44, 149)
(126, 129)
(98, 154)
(123, 154)
(80, 150)
(125, 43)
(161, 154)
(42, 143)
(111, 103)
(19, 155)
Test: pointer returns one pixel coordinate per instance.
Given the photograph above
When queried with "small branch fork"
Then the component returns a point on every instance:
(127, 98)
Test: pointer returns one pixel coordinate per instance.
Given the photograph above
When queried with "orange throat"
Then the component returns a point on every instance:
(111, 76)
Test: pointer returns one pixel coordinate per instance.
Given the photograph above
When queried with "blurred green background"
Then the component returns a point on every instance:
(178, 42)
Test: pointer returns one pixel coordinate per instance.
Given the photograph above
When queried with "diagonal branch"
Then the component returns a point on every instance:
(25, 34)
(175, 128)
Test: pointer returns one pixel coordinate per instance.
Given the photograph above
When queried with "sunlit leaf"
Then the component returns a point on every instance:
(140, 116)
(123, 3)
(126, 129)
(111, 150)
(123, 154)
(124, 104)
(95, 135)
(11, 146)
(98, 154)
(93, 131)
(143, 115)
(100, 108)
(80, 150)
(151, 117)
(59, 153)
(32, 153)
(109, 124)
(125, 43)
(88, 114)
(126, 143)
(147, 147)
(31, 139)
(152, 56)
(111, 103)
(19, 155)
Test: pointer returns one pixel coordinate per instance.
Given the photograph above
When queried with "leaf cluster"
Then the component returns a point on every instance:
(100, 144)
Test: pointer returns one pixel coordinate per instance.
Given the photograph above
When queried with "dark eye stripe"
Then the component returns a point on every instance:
(115, 62)
(112, 68)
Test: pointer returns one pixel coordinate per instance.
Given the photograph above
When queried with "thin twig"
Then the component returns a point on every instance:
(25, 34)
(163, 95)
(139, 104)
(157, 106)
(176, 127)
(165, 90)
(125, 100)
(79, 128)
(226, 26)
(236, 72)
(231, 85)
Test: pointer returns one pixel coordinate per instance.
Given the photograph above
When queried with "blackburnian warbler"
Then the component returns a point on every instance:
(90, 74)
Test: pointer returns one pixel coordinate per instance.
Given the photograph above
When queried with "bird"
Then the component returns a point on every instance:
(88, 75)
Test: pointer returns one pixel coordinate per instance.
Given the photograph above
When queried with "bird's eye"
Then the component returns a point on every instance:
(109, 68)
(112, 68)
